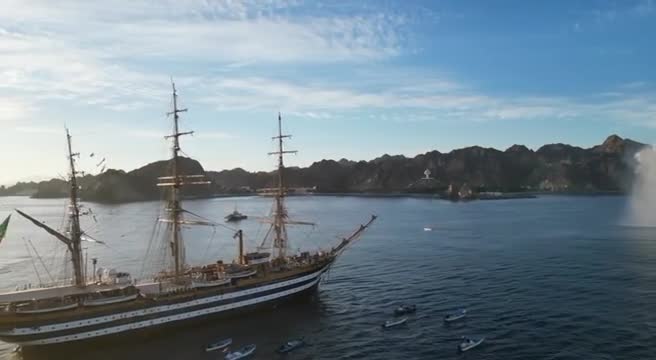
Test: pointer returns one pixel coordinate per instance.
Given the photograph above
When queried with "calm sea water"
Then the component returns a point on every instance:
(547, 278)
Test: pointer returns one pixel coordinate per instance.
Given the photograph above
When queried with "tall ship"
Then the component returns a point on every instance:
(112, 303)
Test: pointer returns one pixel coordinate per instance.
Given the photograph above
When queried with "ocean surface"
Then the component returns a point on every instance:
(548, 278)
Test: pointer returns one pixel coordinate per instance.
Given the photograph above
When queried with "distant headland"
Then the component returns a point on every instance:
(471, 172)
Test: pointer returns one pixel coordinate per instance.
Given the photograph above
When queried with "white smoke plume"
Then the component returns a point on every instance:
(642, 203)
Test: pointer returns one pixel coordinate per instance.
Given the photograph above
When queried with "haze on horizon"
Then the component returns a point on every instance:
(353, 80)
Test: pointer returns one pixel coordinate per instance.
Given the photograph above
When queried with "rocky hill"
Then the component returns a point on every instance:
(553, 167)
(117, 186)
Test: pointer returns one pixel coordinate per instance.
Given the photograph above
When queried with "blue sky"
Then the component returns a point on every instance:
(352, 79)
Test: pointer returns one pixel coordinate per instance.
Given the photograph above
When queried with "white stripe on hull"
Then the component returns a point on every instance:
(167, 319)
(153, 310)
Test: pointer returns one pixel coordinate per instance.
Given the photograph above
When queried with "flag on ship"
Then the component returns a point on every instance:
(3, 227)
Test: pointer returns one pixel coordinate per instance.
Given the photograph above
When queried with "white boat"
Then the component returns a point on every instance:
(468, 344)
(257, 258)
(244, 352)
(291, 345)
(205, 283)
(455, 316)
(393, 323)
(219, 345)
(405, 309)
(109, 300)
(26, 310)
(241, 274)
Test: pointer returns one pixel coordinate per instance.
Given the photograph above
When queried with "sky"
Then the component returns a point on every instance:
(352, 79)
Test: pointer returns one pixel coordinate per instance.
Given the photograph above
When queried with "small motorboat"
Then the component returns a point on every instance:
(219, 345)
(242, 353)
(235, 216)
(468, 344)
(405, 309)
(455, 316)
(291, 345)
(393, 323)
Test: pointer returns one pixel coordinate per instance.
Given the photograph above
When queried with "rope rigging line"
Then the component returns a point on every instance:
(55, 246)
(263, 245)
(32, 261)
(184, 153)
(307, 234)
(259, 230)
(55, 249)
(41, 261)
(153, 234)
(161, 245)
(211, 222)
(64, 216)
(115, 250)
(64, 273)
(90, 214)
(209, 243)
(58, 253)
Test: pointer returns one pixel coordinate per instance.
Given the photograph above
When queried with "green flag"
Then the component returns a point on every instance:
(3, 227)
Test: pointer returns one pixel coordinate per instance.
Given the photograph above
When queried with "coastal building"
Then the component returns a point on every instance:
(427, 175)
(465, 192)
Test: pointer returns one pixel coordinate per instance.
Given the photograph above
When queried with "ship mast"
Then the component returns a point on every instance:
(174, 208)
(75, 231)
(176, 181)
(280, 212)
(73, 237)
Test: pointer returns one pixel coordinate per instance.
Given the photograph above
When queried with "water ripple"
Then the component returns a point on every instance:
(547, 278)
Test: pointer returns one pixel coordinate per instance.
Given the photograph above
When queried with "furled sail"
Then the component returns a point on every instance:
(47, 228)
(3, 227)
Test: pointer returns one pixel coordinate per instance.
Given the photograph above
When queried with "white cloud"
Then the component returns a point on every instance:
(43, 67)
(613, 12)
(154, 134)
(310, 114)
(634, 85)
(232, 31)
(14, 109)
(416, 97)
(322, 40)
(102, 54)
(115, 63)
(40, 130)
(644, 8)
(218, 135)
(262, 93)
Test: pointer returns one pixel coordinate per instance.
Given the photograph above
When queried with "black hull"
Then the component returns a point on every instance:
(172, 316)
(138, 337)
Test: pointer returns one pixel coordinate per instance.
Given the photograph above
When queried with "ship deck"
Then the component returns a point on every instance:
(55, 292)
(155, 295)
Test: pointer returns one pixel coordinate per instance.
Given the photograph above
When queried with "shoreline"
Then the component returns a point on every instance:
(436, 196)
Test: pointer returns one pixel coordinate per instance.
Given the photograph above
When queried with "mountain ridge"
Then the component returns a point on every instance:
(554, 167)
